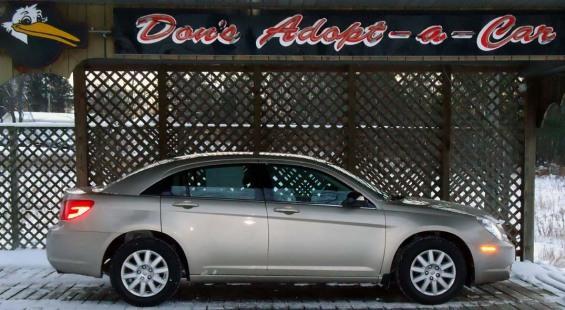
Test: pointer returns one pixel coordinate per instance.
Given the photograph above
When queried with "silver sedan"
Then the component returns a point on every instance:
(243, 217)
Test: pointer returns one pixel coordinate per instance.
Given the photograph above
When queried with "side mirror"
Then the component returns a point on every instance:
(354, 200)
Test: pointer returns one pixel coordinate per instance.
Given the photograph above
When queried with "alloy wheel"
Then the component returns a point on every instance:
(144, 273)
(432, 272)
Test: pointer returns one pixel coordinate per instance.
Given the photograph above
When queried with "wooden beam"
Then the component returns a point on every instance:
(350, 139)
(79, 82)
(258, 143)
(446, 133)
(163, 108)
(6, 73)
(14, 187)
(533, 95)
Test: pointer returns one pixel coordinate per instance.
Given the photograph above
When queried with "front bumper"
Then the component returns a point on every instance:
(494, 267)
(79, 252)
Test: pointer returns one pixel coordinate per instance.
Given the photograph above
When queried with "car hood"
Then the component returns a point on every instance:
(444, 205)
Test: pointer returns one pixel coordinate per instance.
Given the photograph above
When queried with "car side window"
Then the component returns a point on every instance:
(305, 185)
(222, 181)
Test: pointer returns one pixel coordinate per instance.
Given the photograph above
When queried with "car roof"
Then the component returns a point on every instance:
(234, 155)
(139, 178)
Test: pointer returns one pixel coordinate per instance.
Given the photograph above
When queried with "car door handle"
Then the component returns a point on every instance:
(287, 211)
(185, 204)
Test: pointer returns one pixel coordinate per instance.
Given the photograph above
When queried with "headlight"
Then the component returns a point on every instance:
(493, 227)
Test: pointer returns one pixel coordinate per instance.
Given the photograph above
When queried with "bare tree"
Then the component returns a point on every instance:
(38, 92)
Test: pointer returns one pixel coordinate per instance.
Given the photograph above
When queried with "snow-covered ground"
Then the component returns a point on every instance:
(24, 258)
(32, 272)
(550, 220)
(541, 275)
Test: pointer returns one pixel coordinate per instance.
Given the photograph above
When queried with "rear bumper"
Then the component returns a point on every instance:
(495, 267)
(79, 252)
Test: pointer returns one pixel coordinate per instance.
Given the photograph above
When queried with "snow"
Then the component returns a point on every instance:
(38, 124)
(52, 117)
(549, 244)
(40, 119)
(24, 258)
(544, 276)
(33, 270)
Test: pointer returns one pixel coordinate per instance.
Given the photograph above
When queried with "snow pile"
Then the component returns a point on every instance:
(547, 277)
(24, 258)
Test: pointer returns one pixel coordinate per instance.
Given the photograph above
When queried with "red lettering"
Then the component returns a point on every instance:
(182, 35)
(285, 30)
(310, 34)
(148, 33)
(229, 35)
(433, 34)
(495, 29)
(288, 31)
(498, 32)
(148, 22)
(210, 35)
(352, 35)
(329, 35)
(546, 34)
(375, 33)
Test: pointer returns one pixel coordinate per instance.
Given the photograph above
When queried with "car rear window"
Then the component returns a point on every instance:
(222, 182)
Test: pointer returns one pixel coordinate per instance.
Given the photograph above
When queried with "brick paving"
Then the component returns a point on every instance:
(43, 288)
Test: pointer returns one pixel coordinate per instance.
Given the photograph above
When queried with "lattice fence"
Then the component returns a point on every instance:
(6, 138)
(399, 118)
(389, 126)
(36, 165)
(122, 121)
(208, 112)
(487, 170)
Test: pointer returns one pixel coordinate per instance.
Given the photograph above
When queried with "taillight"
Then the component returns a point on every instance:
(74, 208)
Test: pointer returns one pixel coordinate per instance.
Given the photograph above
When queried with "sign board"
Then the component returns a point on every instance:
(352, 33)
(34, 35)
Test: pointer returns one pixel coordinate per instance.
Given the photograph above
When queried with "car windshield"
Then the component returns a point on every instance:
(370, 186)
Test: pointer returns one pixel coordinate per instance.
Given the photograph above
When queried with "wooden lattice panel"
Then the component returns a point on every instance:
(398, 115)
(487, 158)
(304, 113)
(388, 126)
(209, 112)
(122, 122)
(39, 165)
(6, 241)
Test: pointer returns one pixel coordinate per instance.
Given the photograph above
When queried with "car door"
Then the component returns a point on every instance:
(311, 234)
(217, 213)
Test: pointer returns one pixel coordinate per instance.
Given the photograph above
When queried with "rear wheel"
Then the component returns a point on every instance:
(431, 270)
(145, 271)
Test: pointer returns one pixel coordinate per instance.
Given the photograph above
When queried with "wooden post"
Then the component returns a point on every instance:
(258, 144)
(6, 65)
(163, 108)
(350, 126)
(533, 96)
(14, 188)
(445, 152)
(79, 83)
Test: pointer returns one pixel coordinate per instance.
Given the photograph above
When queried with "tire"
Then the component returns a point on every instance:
(414, 270)
(157, 280)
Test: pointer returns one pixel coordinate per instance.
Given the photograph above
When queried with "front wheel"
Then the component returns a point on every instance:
(145, 271)
(431, 270)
